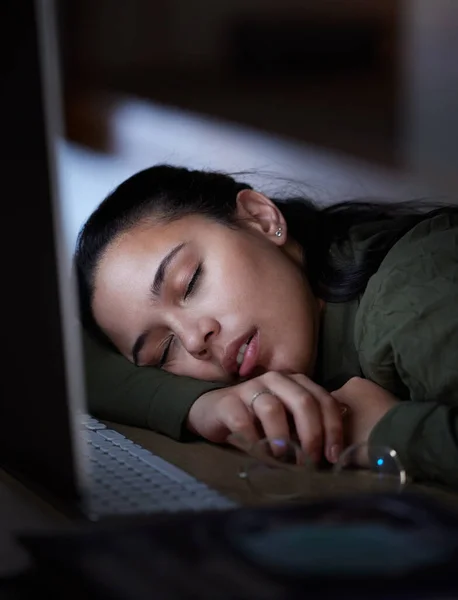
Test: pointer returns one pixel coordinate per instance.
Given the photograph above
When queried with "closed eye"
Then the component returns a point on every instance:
(165, 354)
(192, 286)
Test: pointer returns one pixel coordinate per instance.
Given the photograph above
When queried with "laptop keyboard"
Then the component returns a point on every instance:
(128, 479)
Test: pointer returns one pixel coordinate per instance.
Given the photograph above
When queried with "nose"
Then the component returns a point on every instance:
(197, 336)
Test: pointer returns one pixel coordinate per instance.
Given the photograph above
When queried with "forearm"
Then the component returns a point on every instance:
(145, 397)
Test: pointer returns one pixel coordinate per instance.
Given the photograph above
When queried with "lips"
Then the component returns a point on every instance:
(250, 357)
(229, 362)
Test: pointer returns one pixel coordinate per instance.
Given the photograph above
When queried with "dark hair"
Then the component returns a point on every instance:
(168, 193)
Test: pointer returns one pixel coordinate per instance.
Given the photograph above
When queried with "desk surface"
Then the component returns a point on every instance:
(21, 510)
(218, 466)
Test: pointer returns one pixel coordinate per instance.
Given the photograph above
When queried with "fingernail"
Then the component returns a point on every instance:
(334, 453)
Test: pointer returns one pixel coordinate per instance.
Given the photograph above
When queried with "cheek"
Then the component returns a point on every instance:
(236, 278)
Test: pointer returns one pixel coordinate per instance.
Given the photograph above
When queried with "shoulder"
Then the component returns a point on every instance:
(411, 300)
(427, 252)
(431, 237)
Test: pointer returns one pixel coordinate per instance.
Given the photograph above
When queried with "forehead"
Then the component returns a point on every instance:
(153, 239)
(153, 234)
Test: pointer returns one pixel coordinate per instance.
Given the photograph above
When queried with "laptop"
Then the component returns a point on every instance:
(47, 439)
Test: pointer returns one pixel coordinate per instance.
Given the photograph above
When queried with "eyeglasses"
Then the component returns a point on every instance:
(278, 469)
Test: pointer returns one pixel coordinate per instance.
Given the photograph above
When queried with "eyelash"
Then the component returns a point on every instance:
(192, 286)
(163, 358)
(193, 283)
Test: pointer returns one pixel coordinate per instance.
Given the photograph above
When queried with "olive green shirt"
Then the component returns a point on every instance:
(402, 333)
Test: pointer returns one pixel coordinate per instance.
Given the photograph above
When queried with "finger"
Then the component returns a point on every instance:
(239, 441)
(272, 415)
(305, 410)
(239, 421)
(331, 417)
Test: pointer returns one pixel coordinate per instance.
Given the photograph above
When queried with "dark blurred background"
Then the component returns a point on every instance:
(374, 81)
(324, 72)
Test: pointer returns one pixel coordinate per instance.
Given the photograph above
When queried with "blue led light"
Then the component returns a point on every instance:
(380, 462)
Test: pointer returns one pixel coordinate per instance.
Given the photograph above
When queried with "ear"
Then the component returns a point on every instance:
(259, 212)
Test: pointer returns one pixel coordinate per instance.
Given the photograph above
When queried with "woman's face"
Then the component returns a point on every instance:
(189, 295)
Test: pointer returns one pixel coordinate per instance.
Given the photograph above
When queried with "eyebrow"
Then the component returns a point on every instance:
(155, 290)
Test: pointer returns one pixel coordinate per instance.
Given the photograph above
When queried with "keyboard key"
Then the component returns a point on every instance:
(109, 434)
(128, 479)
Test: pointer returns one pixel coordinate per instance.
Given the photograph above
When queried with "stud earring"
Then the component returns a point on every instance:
(279, 232)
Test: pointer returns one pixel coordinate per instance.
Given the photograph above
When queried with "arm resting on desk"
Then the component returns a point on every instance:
(146, 397)
(407, 338)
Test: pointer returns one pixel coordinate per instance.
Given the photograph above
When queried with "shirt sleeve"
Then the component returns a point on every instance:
(119, 391)
(406, 333)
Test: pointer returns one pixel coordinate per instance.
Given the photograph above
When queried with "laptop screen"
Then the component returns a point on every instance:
(35, 423)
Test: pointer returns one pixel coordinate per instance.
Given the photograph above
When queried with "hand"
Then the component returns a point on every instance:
(316, 415)
(368, 403)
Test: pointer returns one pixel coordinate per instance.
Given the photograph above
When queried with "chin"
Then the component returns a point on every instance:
(294, 367)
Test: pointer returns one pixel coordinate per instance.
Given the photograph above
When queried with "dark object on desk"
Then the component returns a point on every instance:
(58, 450)
(219, 555)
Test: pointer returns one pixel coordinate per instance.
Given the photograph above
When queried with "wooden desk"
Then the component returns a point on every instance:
(21, 510)
(218, 467)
